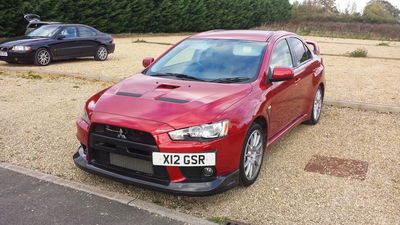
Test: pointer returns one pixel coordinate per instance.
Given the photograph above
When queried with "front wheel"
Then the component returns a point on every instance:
(101, 53)
(252, 155)
(42, 57)
(317, 106)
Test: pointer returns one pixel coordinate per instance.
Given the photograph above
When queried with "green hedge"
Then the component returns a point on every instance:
(123, 16)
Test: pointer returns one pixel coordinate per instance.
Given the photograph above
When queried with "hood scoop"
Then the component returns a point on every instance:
(174, 100)
(167, 86)
(135, 95)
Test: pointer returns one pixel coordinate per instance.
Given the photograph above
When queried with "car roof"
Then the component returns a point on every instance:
(250, 35)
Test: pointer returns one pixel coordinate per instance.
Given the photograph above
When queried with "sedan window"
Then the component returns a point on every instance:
(69, 32)
(213, 60)
(281, 56)
(44, 31)
(301, 52)
(86, 32)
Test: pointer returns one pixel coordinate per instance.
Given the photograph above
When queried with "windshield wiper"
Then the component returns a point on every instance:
(230, 79)
(178, 75)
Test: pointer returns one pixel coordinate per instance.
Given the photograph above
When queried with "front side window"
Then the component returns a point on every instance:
(212, 60)
(281, 56)
(301, 52)
(86, 32)
(69, 32)
(44, 31)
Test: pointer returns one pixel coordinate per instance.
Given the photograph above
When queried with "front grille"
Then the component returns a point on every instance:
(125, 151)
(3, 49)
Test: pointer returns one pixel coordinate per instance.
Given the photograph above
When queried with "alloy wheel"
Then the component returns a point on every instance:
(102, 53)
(43, 57)
(253, 155)
(317, 104)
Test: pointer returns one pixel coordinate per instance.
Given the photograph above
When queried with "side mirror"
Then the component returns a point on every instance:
(281, 74)
(60, 37)
(147, 61)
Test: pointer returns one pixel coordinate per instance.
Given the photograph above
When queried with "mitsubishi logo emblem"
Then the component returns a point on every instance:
(121, 133)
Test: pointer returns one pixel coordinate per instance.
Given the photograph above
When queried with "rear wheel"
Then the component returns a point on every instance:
(101, 53)
(317, 106)
(252, 155)
(42, 57)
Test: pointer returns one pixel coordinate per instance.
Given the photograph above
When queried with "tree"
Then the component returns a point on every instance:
(374, 12)
(328, 5)
(394, 11)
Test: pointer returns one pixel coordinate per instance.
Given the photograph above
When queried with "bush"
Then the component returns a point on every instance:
(359, 52)
(126, 16)
(387, 32)
(384, 44)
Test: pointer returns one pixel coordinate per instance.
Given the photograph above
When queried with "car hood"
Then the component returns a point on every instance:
(178, 103)
(24, 40)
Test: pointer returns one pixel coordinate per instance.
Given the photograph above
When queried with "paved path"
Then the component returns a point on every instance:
(28, 200)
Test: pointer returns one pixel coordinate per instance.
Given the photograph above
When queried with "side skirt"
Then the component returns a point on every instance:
(286, 129)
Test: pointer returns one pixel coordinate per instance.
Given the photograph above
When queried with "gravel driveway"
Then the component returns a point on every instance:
(37, 131)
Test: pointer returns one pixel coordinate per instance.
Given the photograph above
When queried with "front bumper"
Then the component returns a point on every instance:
(217, 185)
(26, 56)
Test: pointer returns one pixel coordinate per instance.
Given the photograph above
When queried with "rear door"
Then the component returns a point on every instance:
(305, 65)
(87, 40)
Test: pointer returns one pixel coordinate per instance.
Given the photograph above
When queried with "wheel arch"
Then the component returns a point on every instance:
(261, 120)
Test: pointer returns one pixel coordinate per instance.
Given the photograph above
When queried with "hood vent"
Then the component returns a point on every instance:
(167, 86)
(174, 100)
(129, 94)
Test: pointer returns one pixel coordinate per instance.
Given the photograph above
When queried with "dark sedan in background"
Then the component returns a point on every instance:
(57, 41)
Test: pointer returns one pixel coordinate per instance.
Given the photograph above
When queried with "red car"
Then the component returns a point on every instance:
(197, 120)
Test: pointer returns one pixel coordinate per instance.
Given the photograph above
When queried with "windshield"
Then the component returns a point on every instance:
(43, 31)
(212, 60)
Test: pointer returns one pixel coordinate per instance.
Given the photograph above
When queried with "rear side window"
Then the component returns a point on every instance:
(86, 32)
(69, 32)
(281, 56)
(300, 51)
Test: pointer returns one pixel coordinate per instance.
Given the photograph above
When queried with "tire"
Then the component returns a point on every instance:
(317, 106)
(252, 157)
(42, 57)
(101, 53)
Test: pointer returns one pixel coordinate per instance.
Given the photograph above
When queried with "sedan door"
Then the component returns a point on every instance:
(305, 66)
(88, 41)
(68, 46)
(283, 97)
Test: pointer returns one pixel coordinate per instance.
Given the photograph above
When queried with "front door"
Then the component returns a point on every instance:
(69, 45)
(283, 97)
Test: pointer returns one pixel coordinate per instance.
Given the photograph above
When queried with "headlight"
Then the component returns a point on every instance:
(85, 116)
(21, 48)
(206, 131)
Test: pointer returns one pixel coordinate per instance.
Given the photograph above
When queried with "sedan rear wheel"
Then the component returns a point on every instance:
(317, 106)
(42, 57)
(252, 155)
(101, 53)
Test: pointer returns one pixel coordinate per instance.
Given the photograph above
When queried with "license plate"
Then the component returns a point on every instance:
(184, 159)
(3, 53)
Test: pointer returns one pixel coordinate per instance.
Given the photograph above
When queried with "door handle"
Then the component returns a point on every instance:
(297, 80)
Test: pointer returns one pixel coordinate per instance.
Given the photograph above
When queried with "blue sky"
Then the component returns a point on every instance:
(342, 4)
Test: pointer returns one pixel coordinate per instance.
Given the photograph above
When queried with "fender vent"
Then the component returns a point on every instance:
(135, 95)
(174, 100)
